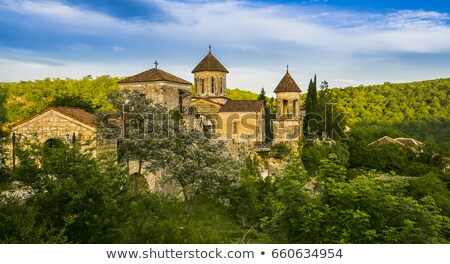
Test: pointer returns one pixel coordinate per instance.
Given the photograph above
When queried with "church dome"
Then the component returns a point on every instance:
(287, 84)
(209, 63)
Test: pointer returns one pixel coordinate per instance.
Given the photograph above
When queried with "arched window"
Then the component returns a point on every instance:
(202, 82)
(235, 127)
(195, 86)
(212, 85)
(295, 112)
(221, 85)
(285, 107)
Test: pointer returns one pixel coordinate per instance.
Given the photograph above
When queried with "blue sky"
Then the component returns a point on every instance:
(345, 42)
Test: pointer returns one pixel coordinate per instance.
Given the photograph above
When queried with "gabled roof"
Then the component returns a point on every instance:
(75, 113)
(154, 75)
(410, 142)
(242, 106)
(385, 140)
(198, 99)
(287, 84)
(209, 63)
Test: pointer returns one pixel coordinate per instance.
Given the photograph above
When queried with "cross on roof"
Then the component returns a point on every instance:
(156, 64)
(209, 48)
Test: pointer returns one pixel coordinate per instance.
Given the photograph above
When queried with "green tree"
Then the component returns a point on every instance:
(312, 117)
(74, 198)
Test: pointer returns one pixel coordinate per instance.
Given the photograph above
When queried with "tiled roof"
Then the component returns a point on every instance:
(242, 106)
(78, 114)
(287, 84)
(75, 113)
(209, 63)
(410, 142)
(154, 75)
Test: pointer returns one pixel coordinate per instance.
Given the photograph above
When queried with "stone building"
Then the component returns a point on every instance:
(288, 123)
(232, 120)
(160, 87)
(207, 109)
(61, 124)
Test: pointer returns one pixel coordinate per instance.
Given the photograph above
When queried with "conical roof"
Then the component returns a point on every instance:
(287, 84)
(210, 63)
(154, 75)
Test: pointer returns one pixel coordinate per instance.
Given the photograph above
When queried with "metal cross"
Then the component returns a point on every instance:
(156, 64)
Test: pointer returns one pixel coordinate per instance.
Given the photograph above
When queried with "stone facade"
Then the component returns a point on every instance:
(169, 94)
(210, 84)
(288, 124)
(65, 124)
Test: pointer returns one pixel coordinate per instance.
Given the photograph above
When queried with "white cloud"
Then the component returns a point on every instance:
(342, 46)
(241, 23)
(80, 47)
(118, 48)
(71, 18)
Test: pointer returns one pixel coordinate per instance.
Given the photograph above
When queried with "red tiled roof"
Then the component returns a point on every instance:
(242, 106)
(154, 75)
(287, 84)
(209, 63)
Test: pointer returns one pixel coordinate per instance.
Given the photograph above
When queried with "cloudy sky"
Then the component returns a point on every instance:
(346, 42)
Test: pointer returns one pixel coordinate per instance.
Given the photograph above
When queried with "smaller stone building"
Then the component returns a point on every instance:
(287, 126)
(160, 87)
(62, 123)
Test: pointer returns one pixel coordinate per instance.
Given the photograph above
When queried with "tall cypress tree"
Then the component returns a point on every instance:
(311, 118)
(269, 115)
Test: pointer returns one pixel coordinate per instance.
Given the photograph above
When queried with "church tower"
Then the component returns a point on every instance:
(288, 123)
(210, 79)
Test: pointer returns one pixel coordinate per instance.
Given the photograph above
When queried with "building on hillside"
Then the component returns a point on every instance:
(61, 124)
(207, 109)
(410, 143)
(160, 87)
(287, 126)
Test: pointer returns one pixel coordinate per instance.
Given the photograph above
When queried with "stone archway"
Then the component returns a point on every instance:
(207, 123)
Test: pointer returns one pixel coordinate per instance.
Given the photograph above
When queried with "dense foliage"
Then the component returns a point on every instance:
(331, 191)
(20, 100)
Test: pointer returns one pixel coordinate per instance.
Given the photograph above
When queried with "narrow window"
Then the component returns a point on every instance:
(203, 85)
(295, 108)
(212, 85)
(234, 127)
(285, 107)
(221, 86)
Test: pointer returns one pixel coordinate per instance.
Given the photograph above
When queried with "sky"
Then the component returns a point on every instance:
(347, 43)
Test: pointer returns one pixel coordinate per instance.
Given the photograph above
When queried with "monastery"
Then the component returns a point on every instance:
(203, 105)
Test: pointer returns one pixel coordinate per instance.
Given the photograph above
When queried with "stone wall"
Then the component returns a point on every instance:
(205, 79)
(52, 124)
(240, 126)
(164, 93)
(286, 130)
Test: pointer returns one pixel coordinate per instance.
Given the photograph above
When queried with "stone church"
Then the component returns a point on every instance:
(203, 105)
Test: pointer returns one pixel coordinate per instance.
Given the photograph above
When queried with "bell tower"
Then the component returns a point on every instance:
(287, 126)
(210, 79)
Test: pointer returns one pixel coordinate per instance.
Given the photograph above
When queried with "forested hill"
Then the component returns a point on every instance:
(395, 103)
(22, 99)
(238, 94)
(389, 103)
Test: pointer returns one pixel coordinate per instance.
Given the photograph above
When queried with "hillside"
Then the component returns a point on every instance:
(238, 94)
(394, 103)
